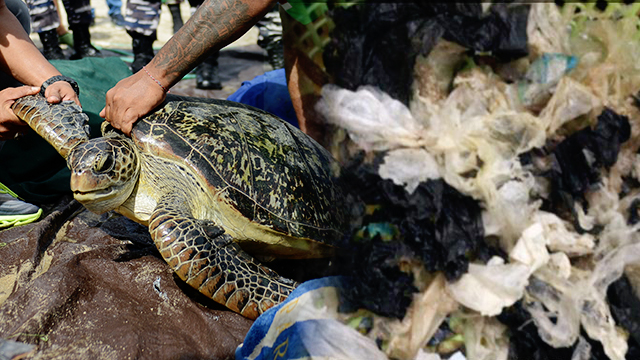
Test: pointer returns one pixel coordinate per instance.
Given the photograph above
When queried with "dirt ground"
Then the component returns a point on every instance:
(240, 61)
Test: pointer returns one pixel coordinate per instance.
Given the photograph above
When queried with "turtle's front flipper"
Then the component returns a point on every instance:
(62, 125)
(210, 261)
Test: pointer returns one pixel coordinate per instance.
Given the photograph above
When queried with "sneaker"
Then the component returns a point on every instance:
(15, 212)
(117, 20)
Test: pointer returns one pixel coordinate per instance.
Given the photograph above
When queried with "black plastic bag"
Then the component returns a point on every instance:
(625, 308)
(573, 172)
(502, 31)
(525, 343)
(435, 225)
(376, 281)
(377, 43)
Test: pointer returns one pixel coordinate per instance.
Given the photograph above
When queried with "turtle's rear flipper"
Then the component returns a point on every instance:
(216, 266)
(62, 125)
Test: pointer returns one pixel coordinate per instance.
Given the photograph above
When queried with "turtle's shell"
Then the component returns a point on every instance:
(273, 173)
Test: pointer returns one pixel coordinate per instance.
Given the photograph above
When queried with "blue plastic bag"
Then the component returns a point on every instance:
(306, 326)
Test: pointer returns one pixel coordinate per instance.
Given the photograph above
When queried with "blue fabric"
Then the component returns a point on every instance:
(289, 343)
(268, 92)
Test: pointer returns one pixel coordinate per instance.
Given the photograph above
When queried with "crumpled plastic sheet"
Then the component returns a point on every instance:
(424, 355)
(485, 339)
(542, 77)
(607, 45)
(374, 119)
(524, 339)
(381, 286)
(489, 288)
(560, 307)
(428, 310)
(546, 29)
(570, 100)
(561, 239)
(409, 167)
(473, 135)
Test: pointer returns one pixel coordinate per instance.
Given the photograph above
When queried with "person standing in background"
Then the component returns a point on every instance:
(79, 18)
(141, 19)
(176, 16)
(45, 21)
(115, 12)
(141, 22)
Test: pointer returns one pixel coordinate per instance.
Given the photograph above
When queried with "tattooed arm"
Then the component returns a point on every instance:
(214, 25)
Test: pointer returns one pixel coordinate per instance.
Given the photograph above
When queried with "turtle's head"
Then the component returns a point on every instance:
(104, 172)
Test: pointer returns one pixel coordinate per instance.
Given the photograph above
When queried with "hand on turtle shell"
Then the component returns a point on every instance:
(61, 91)
(131, 99)
(10, 125)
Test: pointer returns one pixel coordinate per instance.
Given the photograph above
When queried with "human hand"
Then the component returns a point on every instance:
(131, 99)
(61, 91)
(10, 124)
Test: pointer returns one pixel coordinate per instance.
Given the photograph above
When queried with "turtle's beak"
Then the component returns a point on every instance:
(97, 199)
(87, 188)
(81, 182)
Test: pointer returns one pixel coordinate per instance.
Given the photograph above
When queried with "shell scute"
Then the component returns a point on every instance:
(271, 172)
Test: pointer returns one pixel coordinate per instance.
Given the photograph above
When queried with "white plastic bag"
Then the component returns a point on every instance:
(490, 288)
(373, 119)
(409, 167)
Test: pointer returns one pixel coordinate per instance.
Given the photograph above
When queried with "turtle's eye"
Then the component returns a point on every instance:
(104, 163)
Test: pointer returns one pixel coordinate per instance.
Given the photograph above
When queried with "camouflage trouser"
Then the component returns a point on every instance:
(44, 16)
(270, 27)
(78, 12)
(270, 37)
(142, 16)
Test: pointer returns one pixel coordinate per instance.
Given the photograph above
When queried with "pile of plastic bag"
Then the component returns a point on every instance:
(512, 134)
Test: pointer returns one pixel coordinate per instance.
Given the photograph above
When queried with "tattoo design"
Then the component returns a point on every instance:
(214, 25)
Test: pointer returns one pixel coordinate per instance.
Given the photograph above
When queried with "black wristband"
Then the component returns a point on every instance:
(57, 78)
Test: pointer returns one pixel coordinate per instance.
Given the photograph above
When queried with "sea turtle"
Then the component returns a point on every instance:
(213, 180)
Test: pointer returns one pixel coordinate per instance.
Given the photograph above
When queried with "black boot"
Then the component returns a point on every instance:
(50, 45)
(82, 43)
(207, 73)
(175, 15)
(275, 54)
(142, 46)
